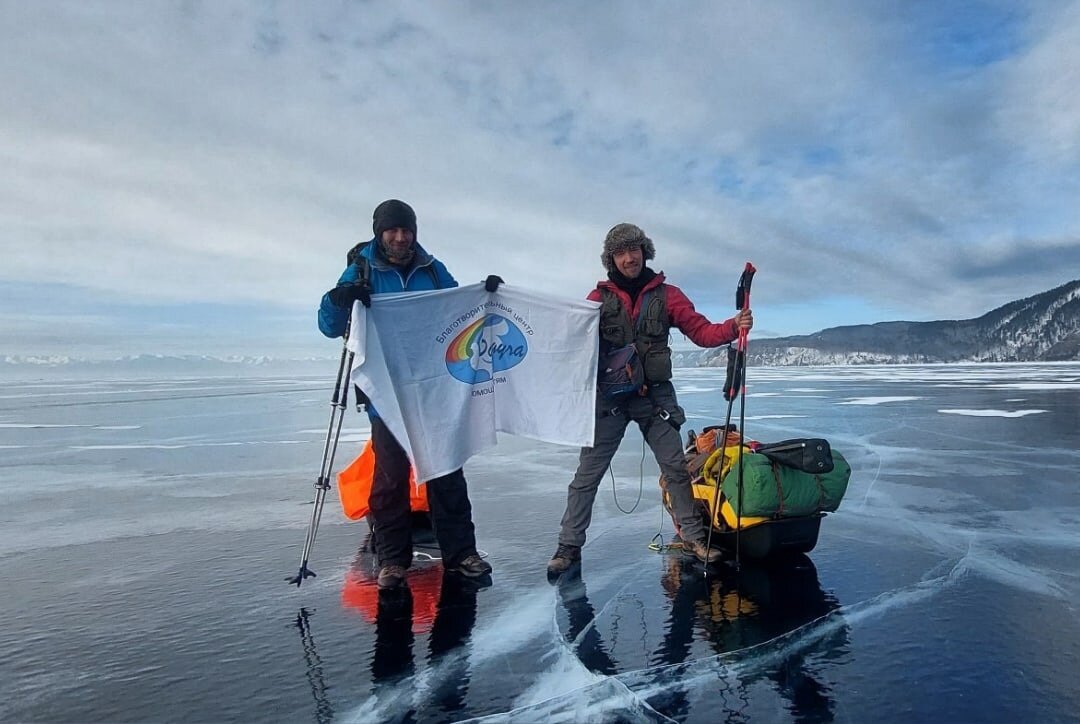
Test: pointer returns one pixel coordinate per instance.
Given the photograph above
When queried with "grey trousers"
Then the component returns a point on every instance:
(663, 439)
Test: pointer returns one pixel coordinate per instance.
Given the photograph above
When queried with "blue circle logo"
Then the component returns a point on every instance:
(486, 347)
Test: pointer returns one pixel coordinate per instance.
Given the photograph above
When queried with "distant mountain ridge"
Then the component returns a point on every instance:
(1041, 328)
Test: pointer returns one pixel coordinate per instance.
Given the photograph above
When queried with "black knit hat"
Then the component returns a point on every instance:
(623, 237)
(392, 214)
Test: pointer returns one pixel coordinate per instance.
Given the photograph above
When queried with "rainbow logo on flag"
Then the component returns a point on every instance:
(485, 348)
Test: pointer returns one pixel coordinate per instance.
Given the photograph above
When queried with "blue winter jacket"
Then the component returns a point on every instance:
(385, 278)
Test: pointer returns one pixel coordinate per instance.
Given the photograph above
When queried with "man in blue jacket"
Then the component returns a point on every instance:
(394, 262)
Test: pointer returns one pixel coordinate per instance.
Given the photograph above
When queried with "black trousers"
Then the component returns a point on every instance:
(448, 498)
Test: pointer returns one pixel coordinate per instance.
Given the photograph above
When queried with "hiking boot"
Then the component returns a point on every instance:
(565, 556)
(697, 549)
(456, 584)
(472, 566)
(392, 576)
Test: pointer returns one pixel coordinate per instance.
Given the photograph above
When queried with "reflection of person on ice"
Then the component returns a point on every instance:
(393, 261)
(448, 675)
(729, 613)
(639, 309)
(436, 604)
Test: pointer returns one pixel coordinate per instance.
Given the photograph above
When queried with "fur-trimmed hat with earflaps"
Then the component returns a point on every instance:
(623, 237)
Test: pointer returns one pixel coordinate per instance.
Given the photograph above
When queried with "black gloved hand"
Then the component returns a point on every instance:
(345, 294)
(492, 283)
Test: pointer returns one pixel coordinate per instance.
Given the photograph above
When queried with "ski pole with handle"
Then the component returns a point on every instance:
(742, 301)
(734, 386)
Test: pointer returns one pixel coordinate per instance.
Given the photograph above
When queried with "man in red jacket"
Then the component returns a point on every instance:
(639, 308)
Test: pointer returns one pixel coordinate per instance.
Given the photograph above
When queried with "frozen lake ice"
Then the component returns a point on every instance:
(148, 526)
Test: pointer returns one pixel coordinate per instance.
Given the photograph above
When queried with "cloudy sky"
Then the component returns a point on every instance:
(186, 177)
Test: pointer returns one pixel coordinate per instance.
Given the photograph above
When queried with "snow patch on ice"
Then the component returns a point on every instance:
(164, 446)
(1058, 385)
(771, 417)
(1002, 569)
(34, 425)
(606, 699)
(361, 435)
(991, 413)
(564, 676)
(878, 400)
(43, 425)
(525, 620)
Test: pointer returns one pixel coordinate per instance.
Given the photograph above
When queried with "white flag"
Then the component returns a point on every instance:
(447, 369)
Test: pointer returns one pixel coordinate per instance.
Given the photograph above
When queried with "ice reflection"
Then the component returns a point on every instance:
(439, 605)
(722, 635)
(324, 711)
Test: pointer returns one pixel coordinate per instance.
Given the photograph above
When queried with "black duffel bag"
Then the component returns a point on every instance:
(810, 455)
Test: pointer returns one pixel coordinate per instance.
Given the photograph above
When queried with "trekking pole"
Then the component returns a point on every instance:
(734, 385)
(742, 433)
(338, 403)
(742, 301)
(731, 388)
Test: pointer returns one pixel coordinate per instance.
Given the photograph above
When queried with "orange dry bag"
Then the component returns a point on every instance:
(354, 486)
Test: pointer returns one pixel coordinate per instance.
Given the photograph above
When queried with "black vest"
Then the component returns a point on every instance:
(649, 336)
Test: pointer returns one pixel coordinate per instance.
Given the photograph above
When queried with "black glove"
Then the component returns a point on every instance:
(345, 294)
(492, 283)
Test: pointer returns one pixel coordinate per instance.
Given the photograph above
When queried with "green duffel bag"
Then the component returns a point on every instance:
(772, 490)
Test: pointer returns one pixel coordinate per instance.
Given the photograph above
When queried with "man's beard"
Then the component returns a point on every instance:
(399, 259)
